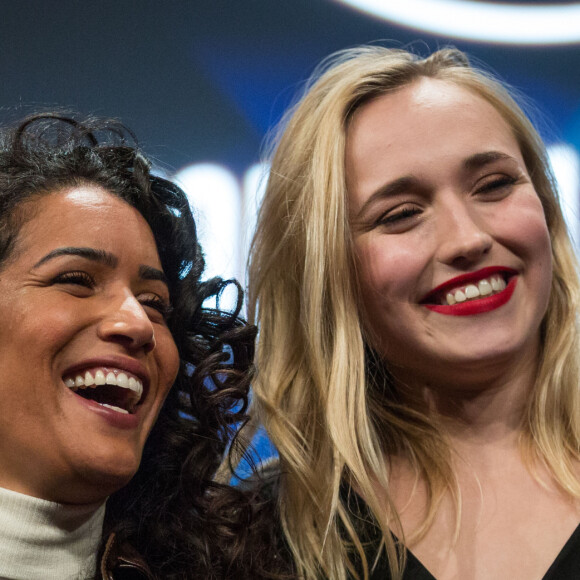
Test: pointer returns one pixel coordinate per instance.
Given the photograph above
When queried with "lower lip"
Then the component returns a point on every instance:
(479, 306)
(113, 418)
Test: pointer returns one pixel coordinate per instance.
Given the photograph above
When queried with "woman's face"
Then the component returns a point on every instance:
(82, 299)
(454, 256)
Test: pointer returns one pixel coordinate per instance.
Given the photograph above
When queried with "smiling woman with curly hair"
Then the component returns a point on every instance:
(121, 387)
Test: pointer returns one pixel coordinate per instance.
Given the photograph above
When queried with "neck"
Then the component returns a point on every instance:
(43, 539)
(485, 407)
(485, 426)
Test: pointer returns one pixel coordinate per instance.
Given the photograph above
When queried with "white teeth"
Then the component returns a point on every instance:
(136, 386)
(471, 292)
(484, 287)
(118, 409)
(98, 377)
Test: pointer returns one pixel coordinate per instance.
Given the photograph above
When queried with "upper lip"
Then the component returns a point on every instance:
(464, 279)
(122, 363)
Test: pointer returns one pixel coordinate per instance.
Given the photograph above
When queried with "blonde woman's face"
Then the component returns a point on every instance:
(453, 250)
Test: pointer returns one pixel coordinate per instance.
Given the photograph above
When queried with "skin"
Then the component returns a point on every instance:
(55, 445)
(438, 188)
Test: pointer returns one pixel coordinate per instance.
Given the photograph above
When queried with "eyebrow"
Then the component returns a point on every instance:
(102, 257)
(481, 159)
(389, 189)
(92, 254)
(407, 182)
(151, 273)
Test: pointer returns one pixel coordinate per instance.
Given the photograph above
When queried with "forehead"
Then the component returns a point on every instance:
(424, 99)
(86, 216)
(422, 125)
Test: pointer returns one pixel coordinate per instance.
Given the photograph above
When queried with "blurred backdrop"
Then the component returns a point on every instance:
(202, 82)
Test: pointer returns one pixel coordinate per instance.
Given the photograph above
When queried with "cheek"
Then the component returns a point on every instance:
(534, 235)
(389, 269)
(521, 227)
(542, 250)
(389, 272)
(167, 359)
(523, 224)
(43, 330)
(539, 241)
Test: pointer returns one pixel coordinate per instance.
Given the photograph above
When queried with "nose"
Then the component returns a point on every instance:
(464, 237)
(127, 323)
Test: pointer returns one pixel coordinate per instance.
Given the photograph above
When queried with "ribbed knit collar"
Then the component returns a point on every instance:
(43, 540)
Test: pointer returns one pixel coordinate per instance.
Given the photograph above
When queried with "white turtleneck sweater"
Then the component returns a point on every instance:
(42, 540)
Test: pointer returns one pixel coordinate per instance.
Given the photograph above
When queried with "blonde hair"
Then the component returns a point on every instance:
(328, 404)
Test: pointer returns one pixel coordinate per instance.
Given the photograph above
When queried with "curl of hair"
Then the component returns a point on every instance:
(324, 396)
(185, 524)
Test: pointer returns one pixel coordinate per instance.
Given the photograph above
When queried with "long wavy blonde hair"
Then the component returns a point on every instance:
(326, 401)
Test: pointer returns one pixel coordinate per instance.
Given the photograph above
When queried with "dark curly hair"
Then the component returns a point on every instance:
(172, 511)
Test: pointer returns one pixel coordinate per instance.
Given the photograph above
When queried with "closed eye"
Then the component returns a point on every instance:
(156, 305)
(497, 184)
(398, 216)
(78, 278)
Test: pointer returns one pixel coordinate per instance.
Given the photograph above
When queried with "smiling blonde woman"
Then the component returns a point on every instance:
(417, 298)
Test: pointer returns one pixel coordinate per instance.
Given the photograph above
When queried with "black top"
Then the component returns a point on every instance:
(566, 566)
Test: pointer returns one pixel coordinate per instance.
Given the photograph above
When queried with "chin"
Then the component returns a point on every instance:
(97, 480)
(477, 367)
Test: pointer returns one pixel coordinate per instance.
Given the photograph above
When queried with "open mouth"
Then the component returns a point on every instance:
(113, 388)
(469, 287)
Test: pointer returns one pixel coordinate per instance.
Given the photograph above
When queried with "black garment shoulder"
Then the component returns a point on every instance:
(566, 566)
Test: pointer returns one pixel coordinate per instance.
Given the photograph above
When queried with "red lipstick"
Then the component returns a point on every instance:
(478, 305)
